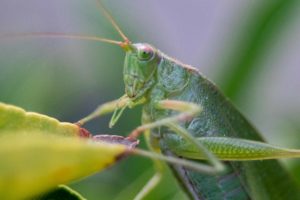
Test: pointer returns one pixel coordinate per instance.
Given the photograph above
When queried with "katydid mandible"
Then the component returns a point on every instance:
(185, 115)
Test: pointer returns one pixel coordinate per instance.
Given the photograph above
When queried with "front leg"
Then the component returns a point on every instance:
(187, 111)
(117, 106)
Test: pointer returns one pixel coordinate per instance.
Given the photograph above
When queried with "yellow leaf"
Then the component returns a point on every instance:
(33, 164)
(38, 152)
(13, 118)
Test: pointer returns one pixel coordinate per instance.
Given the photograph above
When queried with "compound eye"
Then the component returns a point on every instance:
(145, 53)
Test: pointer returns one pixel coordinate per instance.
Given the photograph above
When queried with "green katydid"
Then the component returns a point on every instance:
(190, 118)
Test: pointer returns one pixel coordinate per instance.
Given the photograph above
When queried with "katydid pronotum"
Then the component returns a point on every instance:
(186, 116)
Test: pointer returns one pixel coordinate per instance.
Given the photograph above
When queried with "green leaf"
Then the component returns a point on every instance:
(62, 192)
(253, 42)
(38, 153)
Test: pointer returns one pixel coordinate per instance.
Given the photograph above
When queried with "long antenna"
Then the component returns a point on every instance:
(126, 44)
(62, 35)
(111, 20)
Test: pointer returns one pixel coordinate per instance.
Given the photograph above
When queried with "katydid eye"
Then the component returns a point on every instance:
(145, 53)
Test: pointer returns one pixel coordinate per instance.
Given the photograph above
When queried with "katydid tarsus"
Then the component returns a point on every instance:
(185, 115)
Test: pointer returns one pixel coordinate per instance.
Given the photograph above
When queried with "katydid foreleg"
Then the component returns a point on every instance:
(102, 109)
(187, 110)
(109, 107)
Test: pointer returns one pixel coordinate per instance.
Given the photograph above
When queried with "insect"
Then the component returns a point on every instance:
(186, 115)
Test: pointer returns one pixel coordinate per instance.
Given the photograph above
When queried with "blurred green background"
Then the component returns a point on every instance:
(249, 48)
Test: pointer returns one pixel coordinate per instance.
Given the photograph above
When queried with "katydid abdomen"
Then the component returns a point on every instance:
(244, 180)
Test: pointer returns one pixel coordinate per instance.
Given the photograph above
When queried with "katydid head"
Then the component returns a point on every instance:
(140, 62)
(139, 68)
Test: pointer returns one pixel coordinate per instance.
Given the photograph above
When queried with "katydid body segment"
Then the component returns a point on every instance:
(168, 88)
(189, 117)
(186, 116)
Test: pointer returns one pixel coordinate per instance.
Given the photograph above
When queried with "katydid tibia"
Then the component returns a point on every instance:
(186, 116)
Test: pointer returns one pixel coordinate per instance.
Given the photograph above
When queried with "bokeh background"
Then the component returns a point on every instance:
(249, 48)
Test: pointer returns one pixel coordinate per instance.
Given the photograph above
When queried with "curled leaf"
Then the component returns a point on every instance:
(13, 119)
(33, 164)
(38, 152)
